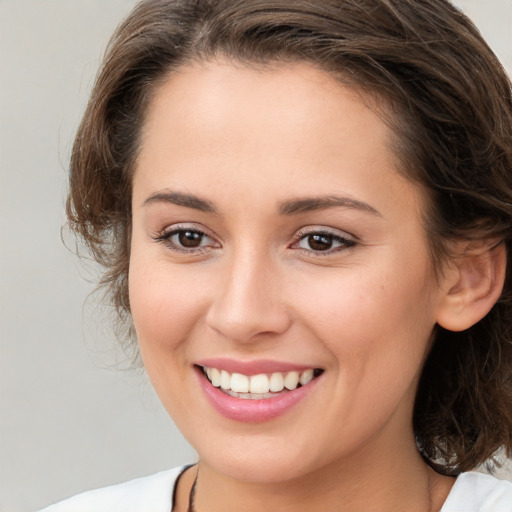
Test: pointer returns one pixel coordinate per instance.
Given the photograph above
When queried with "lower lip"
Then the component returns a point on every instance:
(253, 411)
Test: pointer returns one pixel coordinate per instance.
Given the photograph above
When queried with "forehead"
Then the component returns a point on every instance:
(281, 128)
(269, 92)
(273, 103)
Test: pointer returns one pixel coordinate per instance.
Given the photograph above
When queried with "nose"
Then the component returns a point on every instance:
(249, 302)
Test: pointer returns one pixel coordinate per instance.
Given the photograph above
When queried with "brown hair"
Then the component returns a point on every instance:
(452, 114)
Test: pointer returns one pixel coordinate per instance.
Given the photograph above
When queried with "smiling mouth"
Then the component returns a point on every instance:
(261, 386)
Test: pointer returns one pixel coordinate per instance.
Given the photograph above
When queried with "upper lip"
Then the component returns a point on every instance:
(254, 367)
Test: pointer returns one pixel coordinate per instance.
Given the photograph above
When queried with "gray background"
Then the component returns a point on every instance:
(72, 419)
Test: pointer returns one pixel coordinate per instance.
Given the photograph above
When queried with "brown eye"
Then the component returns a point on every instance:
(189, 239)
(324, 242)
(320, 242)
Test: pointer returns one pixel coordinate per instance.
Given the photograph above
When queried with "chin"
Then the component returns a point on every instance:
(259, 459)
(259, 471)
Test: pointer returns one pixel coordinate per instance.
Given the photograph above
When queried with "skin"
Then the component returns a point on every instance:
(246, 141)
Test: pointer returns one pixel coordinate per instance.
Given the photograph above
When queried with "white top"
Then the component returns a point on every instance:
(476, 492)
(472, 492)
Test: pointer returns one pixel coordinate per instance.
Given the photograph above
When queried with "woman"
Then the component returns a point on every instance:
(304, 209)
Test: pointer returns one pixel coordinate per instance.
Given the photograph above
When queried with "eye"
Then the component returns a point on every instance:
(186, 239)
(323, 242)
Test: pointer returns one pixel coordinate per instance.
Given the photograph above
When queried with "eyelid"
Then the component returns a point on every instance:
(325, 230)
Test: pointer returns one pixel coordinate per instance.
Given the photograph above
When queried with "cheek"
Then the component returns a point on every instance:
(163, 319)
(377, 329)
(379, 318)
(163, 305)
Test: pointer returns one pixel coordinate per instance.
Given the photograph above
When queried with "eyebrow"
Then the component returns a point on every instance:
(181, 199)
(291, 207)
(308, 204)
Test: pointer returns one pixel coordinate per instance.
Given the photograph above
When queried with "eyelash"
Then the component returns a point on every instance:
(165, 238)
(345, 242)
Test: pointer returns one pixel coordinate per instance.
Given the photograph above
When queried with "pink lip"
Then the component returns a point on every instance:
(253, 411)
(251, 367)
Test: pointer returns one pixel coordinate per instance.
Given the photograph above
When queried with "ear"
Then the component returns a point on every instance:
(472, 284)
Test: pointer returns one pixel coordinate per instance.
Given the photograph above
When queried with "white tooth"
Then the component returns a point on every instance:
(306, 376)
(258, 383)
(225, 380)
(208, 371)
(276, 382)
(239, 383)
(215, 378)
(291, 380)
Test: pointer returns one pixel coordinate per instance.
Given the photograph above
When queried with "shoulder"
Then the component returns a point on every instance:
(477, 492)
(154, 492)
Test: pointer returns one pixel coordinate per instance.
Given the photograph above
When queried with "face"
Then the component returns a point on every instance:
(274, 241)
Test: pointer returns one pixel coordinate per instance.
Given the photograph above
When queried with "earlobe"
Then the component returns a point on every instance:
(472, 284)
